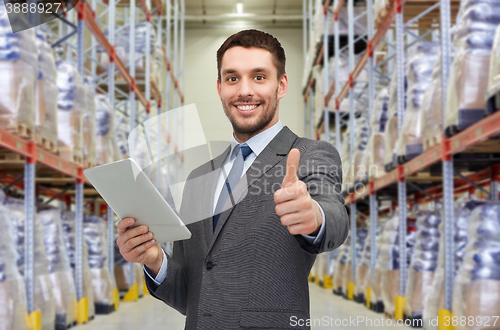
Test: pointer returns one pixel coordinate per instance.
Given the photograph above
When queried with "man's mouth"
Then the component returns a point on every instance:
(246, 109)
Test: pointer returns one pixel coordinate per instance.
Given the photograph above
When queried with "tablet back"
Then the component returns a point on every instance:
(130, 193)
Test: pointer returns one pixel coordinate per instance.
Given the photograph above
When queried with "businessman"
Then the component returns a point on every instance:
(274, 204)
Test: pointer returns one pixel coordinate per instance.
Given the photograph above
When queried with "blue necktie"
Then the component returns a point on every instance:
(242, 152)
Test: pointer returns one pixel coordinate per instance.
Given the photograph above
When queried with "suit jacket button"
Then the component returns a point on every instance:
(209, 265)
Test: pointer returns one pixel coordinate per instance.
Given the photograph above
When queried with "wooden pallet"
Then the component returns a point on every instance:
(431, 142)
(69, 154)
(11, 156)
(87, 164)
(46, 144)
(19, 129)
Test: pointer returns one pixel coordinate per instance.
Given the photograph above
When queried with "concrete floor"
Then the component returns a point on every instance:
(326, 309)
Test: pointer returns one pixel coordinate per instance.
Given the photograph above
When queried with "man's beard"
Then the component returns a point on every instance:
(265, 115)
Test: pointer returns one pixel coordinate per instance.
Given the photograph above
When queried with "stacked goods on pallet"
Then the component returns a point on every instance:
(477, 283)
(60, 272)
(391, 128)
(389, 262)
(423, 263)
(310, 58)
(12, 293)
(43, 292)
(68, 223)
(361, 235)
(345, 155)
(363, 272)
(493, 93)
(420, 65)
(89, 124)
(473, 40)
(374, 159)
(432, 108)
(95, 237)
(375, 282)
(122, 50)
(19, 70)
(105, 140)
(71, 103)
(362, 137)
(319, 269)
(340, 265)
(121, 135)
(46, 94)
(435, 300)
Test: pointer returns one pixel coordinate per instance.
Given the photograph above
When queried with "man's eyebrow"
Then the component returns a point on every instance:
(228, 71)
(260, 70)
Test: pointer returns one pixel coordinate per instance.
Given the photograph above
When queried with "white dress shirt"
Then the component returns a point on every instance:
(257, 143)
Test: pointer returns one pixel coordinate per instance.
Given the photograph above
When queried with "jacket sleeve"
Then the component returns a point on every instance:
(320, 168)
(173, 290)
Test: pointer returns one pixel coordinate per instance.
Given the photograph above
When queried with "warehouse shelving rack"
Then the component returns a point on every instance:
(41, 167)
(472, 139)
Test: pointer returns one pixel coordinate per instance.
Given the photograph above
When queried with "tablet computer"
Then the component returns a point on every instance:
(130, 193)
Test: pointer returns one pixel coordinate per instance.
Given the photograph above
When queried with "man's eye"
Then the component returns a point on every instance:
(259, 78)
(232, 79)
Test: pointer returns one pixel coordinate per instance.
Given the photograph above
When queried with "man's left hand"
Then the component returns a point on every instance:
(294, 205)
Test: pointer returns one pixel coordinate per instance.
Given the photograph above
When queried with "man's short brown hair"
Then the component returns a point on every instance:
(257, 39)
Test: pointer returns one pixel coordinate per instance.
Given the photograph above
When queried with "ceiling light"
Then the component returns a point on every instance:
(239, 7)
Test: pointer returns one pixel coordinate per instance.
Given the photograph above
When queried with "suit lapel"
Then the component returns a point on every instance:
(275, 151)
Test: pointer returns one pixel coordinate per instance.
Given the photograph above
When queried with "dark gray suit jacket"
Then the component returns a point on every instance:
(251, 273)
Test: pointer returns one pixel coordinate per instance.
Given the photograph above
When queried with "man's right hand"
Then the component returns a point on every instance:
(138, 245)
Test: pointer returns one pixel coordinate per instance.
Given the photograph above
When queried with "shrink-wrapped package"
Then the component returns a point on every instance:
(69, 221)
(363, 272)
(60, 273)
(362, 137)
(43, 293)
(374, 158)
(345, 155)
(19, 71)
(340, 265)
(12, 292)
(89, 124)
(121, 135)
(375, 282)
(477, 283)
(473, 41)
(95, 237)
(105, 140)
(389, 263)
(122, 50)
(310, 58)
(391, 127)
(493, 93)
(432, 110)
(71, 104)
(419, 72)
(423, 263)
(361, 234)
(435, 300)
(46, 93)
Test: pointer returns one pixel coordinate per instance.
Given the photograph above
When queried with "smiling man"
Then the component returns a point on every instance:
(275, 200)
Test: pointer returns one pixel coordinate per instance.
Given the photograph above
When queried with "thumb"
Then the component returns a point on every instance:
(292, 165)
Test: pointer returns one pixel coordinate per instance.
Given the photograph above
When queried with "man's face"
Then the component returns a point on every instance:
(249, 90)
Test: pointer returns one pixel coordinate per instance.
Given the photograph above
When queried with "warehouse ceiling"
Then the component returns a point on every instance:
(250, 13)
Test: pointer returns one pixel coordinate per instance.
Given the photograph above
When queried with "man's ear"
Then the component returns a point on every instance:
(283, 86)
(218, 88)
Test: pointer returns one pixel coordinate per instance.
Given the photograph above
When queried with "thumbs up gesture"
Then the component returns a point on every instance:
(294, 205)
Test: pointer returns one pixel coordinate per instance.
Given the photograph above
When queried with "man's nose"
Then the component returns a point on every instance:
(246, 88)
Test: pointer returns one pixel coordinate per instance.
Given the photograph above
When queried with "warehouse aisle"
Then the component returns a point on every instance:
(149, 313)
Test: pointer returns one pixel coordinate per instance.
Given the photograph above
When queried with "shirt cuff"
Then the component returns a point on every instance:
(314, 240)
(162, 274)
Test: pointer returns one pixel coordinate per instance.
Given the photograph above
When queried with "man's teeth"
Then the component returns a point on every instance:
(246, 107)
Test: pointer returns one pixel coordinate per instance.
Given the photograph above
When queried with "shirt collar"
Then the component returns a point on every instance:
(260, 141)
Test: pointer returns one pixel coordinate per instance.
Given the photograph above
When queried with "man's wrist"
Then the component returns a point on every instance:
(319, 219)
(154, 268)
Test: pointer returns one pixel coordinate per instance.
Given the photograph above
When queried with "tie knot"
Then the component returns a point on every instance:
(245, 151)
